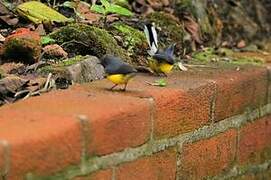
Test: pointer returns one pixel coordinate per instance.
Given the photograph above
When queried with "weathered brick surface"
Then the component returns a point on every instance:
(181, 107)
(158, 166)
(238, 91)
(207, 157)
(39, 143)
(179, 112)
(115, 121)
(255, 141)
(99, 175)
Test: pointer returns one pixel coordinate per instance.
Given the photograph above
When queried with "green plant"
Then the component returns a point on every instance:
(45, 40)
(159, 82)
(108, 8)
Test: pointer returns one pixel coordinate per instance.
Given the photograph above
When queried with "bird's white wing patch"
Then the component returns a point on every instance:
(154, 33)
(151, 36)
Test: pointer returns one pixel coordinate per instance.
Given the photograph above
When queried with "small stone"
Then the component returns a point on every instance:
(86, 70)
(241, 44)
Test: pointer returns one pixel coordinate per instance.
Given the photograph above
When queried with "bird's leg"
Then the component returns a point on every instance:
(124, 89)
(115, 85)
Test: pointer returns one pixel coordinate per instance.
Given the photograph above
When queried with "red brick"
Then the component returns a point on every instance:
(179, 112)
(40, 143)
(240, 90)
(116, 121)
(207, 157)
(99, 175)
(255, 141)
(158, 166)
(180, 107)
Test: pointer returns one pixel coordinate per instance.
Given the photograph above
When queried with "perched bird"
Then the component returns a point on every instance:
(117, 71)
(162, 61)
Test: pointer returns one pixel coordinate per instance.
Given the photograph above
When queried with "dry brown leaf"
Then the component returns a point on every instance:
(40, 29)
(111, 18)
(12, 84)
(7, 16)
(55, 50)
(84, 10)
(140, 6)
(9, 19)
(155, 4)
(36, 84)
(7, 68)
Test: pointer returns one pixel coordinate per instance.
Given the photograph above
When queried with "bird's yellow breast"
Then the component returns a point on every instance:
(165, 67)
(160, 67)
(119, 78)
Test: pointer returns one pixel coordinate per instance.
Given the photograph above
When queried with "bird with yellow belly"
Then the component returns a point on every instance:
(117, 71)
(161, 61)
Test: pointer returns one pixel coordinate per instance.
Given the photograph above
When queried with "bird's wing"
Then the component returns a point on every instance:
(122, 68)
(151, 36)
(162, 56)
(170, 50)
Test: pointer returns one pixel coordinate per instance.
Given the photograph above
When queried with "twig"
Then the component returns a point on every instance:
(200, 65)
(74, 41)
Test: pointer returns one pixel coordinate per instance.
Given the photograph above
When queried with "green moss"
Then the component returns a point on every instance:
(205, 56)
(247, 60)
(185, 5)
(211, 55)
(59, 69)
(70, 61)
(85, 39)
(133, 38)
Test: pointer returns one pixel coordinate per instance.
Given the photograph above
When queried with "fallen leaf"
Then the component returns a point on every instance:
(181, 66)
(3, 9)
(40, 29)
(140, 6)
(10, 68)
(2, 38)
(38, 12)
(9, 19)
(55, 50)
(155, 4)
(159, 82)
(12, 84)
(111, 18)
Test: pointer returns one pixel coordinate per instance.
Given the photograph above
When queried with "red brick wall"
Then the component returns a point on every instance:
(196, 127)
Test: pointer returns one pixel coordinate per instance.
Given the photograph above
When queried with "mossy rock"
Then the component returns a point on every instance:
(79, 69)
(210, 55)
(88, 40)
(133, 40)
(171, 29)
(22, 50)
(59, 69)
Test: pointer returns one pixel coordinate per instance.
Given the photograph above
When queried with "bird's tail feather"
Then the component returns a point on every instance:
(151, 36)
